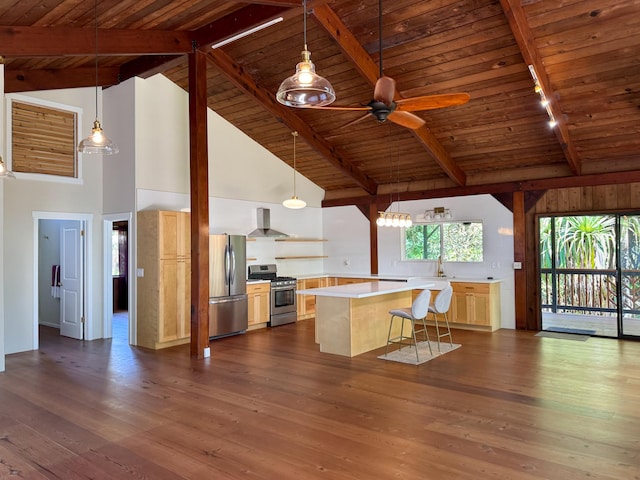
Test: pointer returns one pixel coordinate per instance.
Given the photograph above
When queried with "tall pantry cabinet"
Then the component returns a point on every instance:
(164, 289)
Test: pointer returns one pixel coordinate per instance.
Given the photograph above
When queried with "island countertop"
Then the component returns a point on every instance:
(401, 278)
(371, 289)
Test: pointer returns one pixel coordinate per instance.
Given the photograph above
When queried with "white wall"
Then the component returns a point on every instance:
(239, 168)
(119, 171)
(21, 198)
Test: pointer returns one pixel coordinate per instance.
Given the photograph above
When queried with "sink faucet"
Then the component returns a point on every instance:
(439, 266)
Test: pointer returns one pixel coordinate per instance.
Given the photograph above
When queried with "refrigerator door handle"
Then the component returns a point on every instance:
(232, 273)
(227, 265)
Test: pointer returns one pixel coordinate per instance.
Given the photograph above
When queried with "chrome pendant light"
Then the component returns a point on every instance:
(294, 202)
(305, 88)
(97, 143)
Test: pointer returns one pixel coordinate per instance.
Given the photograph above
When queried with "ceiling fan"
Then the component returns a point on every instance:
(383, 107)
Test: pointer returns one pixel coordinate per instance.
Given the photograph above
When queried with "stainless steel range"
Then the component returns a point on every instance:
(284, 304)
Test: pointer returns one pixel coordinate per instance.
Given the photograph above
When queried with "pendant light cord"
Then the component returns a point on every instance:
(295, 134)
(95, 20)
(304, 22)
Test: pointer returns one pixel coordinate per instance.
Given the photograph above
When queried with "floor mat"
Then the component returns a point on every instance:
(407, 354)
(563, 336)
(578, 331)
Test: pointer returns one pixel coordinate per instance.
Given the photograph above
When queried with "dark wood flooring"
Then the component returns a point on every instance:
(269, 405)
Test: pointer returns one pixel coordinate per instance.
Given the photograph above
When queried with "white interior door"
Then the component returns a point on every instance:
(71, 271)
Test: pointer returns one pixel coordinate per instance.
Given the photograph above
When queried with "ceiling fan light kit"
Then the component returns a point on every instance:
(305, 88)
(97, 143)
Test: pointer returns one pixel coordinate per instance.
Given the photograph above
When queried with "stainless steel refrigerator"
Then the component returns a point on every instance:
(227, 285)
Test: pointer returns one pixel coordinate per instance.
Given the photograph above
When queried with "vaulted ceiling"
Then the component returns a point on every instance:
(586, 55)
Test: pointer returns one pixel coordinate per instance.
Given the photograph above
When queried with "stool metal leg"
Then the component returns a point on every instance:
(415, 342)
(426, 334)
(435, 320)
(386, 350)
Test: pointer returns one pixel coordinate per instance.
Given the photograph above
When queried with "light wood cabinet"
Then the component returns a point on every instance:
(258, 305)
(307, 303)
(476, 304)
(164, 290)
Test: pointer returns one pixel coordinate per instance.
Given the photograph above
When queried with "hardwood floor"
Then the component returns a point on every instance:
(269, 405)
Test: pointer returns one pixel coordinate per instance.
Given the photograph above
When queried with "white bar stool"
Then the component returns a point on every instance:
(441, 305)
(417, 313)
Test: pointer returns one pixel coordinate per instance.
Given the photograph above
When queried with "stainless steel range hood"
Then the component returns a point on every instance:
(264, 225)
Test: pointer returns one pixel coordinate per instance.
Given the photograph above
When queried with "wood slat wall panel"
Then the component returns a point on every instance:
(43, 140)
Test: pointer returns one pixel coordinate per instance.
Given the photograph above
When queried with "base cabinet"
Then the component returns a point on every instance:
(474, 306)
(307, 303)
(164, 290)
(258, 304)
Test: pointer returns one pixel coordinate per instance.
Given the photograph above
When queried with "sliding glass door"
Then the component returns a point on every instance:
(629, 248)
(590, 274)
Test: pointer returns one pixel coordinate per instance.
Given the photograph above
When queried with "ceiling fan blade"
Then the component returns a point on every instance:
(385, 90)
(353, 122)
(406, 119)
(431, 102)
(365, 108)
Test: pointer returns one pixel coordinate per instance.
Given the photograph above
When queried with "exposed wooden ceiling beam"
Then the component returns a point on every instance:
(591, 180)
(365, 65)
(245, 82)
(240, 20)
(54, 42)
(524, 37)
(32, 80)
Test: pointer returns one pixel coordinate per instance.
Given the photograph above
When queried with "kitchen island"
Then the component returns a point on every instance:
(353, 319)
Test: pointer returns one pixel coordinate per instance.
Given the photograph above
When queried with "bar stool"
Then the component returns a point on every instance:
(417, 313)
(440, 305)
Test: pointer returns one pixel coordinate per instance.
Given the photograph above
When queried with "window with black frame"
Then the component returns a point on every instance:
(460, 241)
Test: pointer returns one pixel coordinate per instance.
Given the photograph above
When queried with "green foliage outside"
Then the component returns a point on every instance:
(454, 242)
(590, 242)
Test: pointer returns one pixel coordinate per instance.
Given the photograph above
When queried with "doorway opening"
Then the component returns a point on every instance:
(61, 270)
(590, 274)
(119, 304)
(120, 280)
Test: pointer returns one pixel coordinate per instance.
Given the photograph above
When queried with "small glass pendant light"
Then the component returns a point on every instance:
(294, 202)
(97, 143)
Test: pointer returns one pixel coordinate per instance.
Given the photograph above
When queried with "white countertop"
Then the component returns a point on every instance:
(399, 278)
(368, 289)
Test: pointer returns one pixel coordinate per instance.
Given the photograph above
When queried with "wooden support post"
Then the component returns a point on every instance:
(519, 255)
(199, 164)
(373, 237)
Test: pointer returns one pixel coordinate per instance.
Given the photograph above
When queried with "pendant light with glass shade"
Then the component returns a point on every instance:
(4, 171)
(97, 143)
(305, 88)
(294, 202)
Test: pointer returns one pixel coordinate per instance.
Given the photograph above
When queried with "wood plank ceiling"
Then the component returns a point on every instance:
(586, 54)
